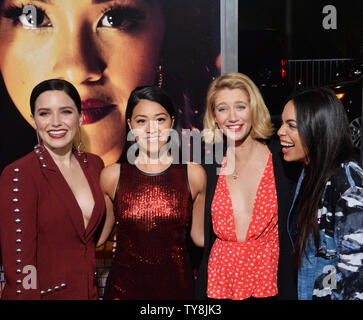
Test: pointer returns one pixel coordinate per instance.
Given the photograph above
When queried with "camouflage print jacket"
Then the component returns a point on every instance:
(335, 270)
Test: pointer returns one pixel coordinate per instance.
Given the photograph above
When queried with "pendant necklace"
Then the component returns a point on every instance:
(235, 175)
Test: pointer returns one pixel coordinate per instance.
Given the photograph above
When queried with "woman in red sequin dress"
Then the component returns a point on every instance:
(246, 200)
(155, 202)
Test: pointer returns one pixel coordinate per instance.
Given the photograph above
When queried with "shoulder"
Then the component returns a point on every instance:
(22, 165)
(109, 177)
(196, 175)
(195, 168)
(345, 190)
(22, 173)
(347, 175)
(346, 186)
(95, 160)
(110, 170)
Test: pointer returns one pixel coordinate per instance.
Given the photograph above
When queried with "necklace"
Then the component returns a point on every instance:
(235, 175)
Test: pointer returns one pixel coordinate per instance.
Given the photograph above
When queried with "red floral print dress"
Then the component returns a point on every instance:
(240, 269)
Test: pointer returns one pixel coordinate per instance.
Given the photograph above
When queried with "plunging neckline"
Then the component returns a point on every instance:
(253, 216)
(84, 227)
(75, 199)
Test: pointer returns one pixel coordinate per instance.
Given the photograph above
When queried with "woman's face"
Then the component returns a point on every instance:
(150, 123)
(233, 114)
(290, 140)
(57, 120)
(104, 48)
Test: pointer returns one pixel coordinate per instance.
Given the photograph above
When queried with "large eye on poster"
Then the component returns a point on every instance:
(105, 49)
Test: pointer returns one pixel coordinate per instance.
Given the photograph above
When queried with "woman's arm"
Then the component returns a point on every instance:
(108, 181)
(197, 182)
(349, 233)
(18, 233)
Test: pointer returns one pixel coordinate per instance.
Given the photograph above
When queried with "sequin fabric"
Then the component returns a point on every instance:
(153, 215)
(239, 270)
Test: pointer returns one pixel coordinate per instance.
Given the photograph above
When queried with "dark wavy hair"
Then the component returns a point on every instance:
(55, 84)
(323, 128)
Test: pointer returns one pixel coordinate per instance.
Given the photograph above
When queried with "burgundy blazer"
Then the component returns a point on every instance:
(46, 251)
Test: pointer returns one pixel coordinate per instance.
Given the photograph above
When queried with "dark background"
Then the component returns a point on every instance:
(271, 31)
(307, 36)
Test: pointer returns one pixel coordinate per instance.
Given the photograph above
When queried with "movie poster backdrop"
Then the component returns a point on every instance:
(106, 49)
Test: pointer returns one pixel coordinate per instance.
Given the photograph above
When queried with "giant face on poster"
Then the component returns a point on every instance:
(105, 49)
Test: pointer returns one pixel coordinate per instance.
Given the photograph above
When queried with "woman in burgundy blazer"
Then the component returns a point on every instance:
(48, 219)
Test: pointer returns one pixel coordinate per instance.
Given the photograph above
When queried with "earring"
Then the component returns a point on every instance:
(160, 78)
(38, 144)
(80, 144)
(39, 148)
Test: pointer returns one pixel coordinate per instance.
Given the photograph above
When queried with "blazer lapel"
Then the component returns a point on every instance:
(64, 193)
(98, 208)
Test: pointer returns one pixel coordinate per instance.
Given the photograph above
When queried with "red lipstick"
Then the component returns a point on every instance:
(57, 134)
(235, 128)
(95, 109)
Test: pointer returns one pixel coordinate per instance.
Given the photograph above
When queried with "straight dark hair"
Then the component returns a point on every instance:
(323, 128)
(151, 93)
(55, 84)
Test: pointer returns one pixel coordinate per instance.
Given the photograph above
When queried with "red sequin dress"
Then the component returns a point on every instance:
(239, 270)
(153, 215)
